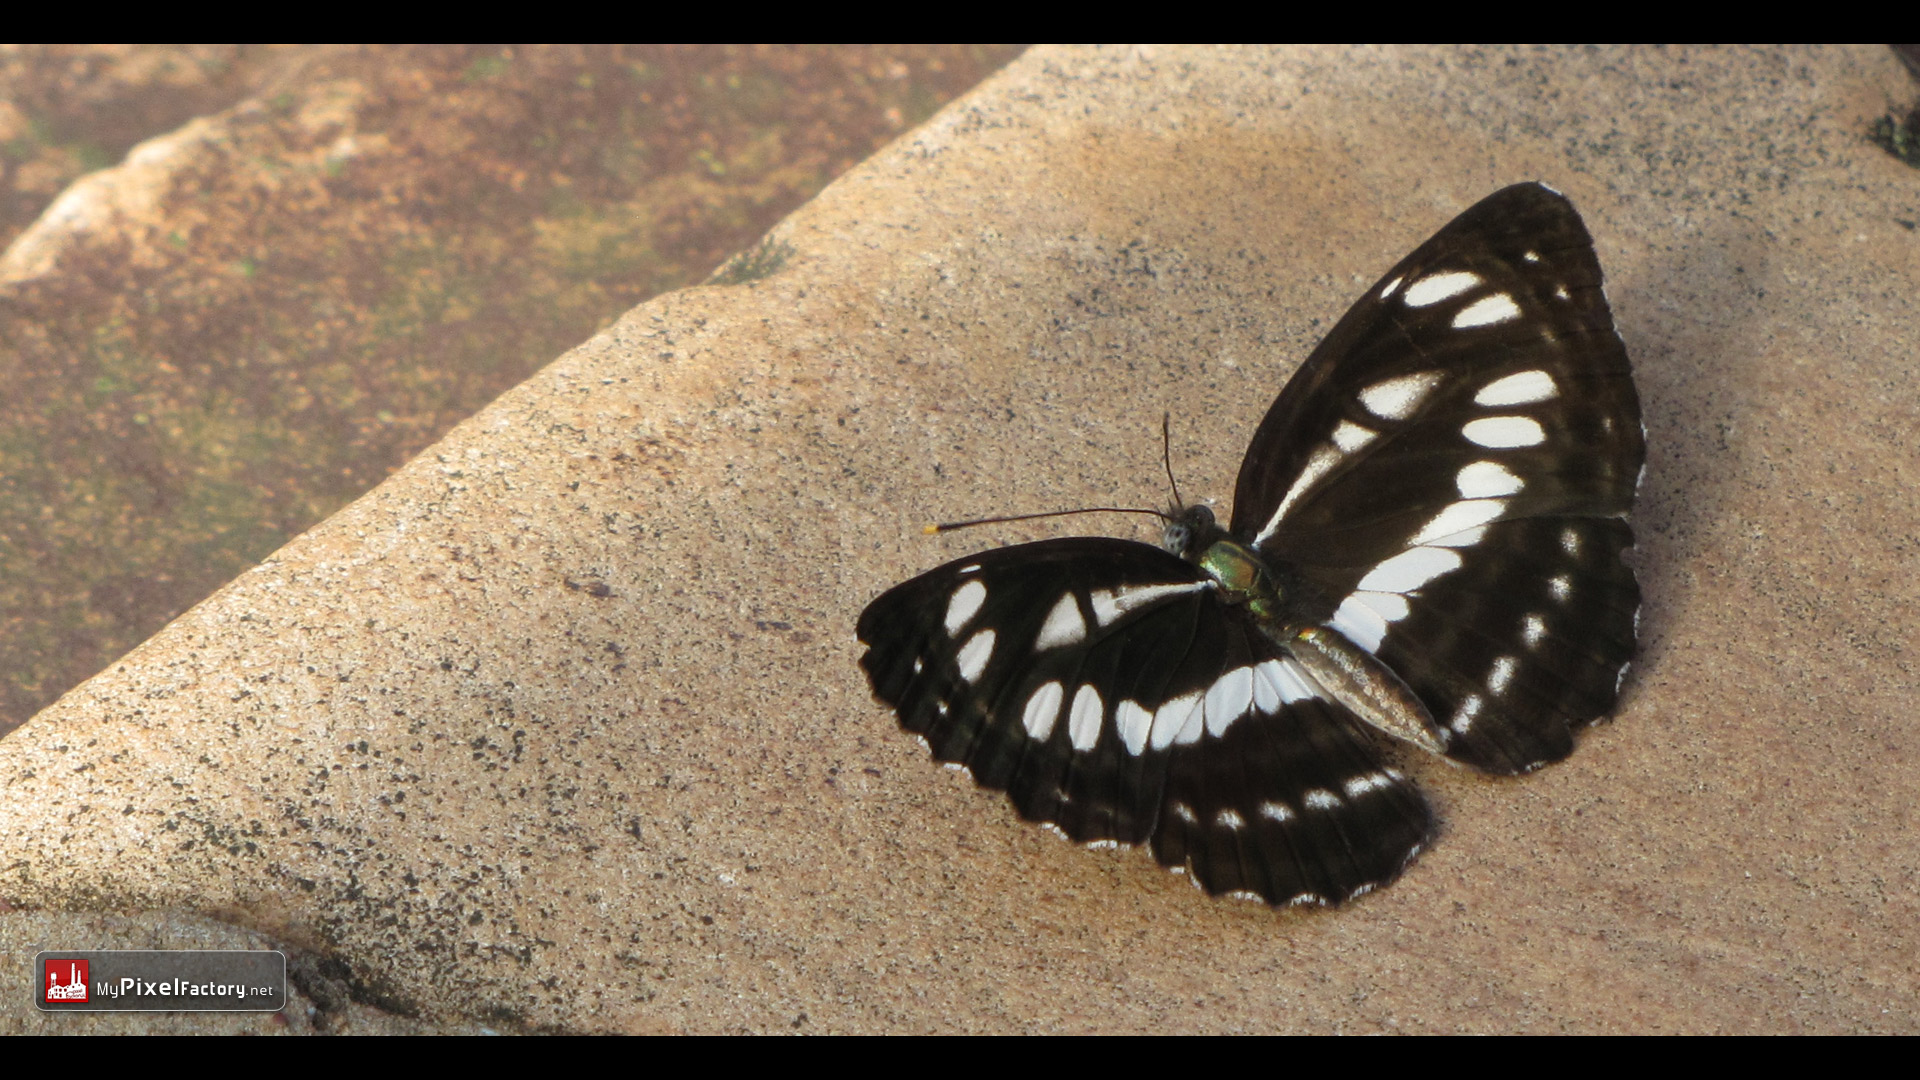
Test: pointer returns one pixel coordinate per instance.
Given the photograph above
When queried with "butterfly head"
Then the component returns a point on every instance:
(1190, 531)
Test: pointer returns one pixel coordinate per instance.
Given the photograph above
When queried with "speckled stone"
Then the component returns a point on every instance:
(561, 726)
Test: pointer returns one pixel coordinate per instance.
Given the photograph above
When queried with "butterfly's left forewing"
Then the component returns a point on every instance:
(1106, 687)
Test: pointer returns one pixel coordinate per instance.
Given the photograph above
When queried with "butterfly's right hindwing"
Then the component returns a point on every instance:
(1109, 691)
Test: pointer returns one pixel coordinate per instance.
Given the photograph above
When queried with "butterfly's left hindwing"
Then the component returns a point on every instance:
(1110, 691)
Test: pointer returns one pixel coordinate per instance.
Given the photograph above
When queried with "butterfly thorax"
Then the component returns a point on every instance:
(1241, 575)
(1244, 578)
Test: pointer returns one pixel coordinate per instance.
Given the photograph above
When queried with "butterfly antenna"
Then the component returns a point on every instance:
(949, 526)
(1166, 456)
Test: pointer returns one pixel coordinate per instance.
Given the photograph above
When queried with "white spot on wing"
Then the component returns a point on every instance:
(1111, 604)
(1190, 731)
(1083, 722)
(975, 654)
(1229, 819)
(964, 605)
(1184, 813)
(1350, 436)
(1397, 398)
(1064, 625)
(1460, 516)
(1366, 782)
(1533, 630)
(1523, 388)
(1320, 799)
(1171, 718)
(1391, 607)
(1274, 811)
(1487, 311)
(1570, 541)
(1043, 708)
(1359, 623)
(1410, 570)
(1561, 587)
(1486, 480)
(1531, 256)
(1465, 538)
(1275, 684)
(1228, 699)
(1504, 432)
(1463, 716)
(1363, 617)
(1501, 676)
(1266, 686)
(1432, 290)
(1134, 722)
(1319, 462)
(1387, 289)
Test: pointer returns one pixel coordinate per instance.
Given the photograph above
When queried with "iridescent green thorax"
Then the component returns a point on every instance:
(1244, 579)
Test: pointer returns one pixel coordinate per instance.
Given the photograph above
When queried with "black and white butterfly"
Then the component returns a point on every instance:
(1426, 541)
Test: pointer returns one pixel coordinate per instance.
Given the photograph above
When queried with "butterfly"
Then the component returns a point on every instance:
(1426, 544)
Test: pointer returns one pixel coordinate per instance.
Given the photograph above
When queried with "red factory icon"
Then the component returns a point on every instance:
(66, 981)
